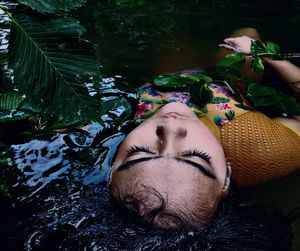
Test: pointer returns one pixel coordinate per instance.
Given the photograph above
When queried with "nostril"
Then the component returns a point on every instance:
(159, 130)
(182, 132)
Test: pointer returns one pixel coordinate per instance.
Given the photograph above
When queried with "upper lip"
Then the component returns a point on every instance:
(174, 115)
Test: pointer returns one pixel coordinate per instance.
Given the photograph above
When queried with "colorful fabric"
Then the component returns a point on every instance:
(221, 108)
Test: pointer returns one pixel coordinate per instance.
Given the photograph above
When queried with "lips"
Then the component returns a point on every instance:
(175, 115)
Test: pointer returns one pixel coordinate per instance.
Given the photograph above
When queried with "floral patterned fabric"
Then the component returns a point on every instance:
(221, 108)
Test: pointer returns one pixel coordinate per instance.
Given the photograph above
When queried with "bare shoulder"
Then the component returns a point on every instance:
(291, 122)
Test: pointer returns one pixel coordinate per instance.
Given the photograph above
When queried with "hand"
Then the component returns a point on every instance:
(238, 44)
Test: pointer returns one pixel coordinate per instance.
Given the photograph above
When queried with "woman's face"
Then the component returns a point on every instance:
(174, 153)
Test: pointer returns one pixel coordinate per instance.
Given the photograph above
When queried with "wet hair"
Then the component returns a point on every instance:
(91, 221)
(152, 206)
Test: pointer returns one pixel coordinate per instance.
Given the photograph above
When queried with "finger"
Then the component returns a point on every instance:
(229, 40)
(227, 46)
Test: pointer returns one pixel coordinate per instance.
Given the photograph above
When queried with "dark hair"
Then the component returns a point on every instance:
(93, 222)
(150, 205)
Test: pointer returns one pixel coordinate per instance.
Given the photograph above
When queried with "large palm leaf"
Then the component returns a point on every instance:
(47, 57)
(51, 6)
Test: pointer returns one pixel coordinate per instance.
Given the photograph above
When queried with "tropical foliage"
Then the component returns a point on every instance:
(227, 72)
(52, 6)
(49, 70)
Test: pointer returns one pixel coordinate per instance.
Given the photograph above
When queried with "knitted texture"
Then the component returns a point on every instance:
(259, 149)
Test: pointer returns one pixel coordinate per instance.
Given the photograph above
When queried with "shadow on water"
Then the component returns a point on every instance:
(135, 41)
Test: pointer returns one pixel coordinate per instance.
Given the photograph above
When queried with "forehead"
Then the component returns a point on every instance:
(165, 173)
(180, 183)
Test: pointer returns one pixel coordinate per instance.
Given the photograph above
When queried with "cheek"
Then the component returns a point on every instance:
(204, 137)
(141, 134)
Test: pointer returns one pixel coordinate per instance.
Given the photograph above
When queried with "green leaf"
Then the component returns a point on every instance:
(289, 105)
(264, 101)
(201, 95)
(235, 61)
(197, 78)
(172, 82)
(51, 6)
(259, 48)
(257, 90)
(181, 82)
(257, 65)
(9, 101)
(48, 57)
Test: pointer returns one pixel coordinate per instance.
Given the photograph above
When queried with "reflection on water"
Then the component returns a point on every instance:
(135, 41)
(73, 156)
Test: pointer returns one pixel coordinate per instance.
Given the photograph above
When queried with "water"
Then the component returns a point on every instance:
(137, 42)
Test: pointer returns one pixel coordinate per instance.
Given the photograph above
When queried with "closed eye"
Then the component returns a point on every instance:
(196, 153)
(137, 149)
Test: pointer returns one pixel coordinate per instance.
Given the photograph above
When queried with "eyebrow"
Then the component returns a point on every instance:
(131, 163)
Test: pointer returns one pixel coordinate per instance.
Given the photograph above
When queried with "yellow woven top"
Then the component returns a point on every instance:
(259, 148)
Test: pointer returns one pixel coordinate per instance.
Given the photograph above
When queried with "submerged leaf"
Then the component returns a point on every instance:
(47, 55)
(51, 6)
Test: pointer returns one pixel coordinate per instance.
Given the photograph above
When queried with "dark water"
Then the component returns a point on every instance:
(136, 41)
(139, 41)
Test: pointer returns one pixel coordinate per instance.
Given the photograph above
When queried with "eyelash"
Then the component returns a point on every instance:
(134, 149)
(200, 154)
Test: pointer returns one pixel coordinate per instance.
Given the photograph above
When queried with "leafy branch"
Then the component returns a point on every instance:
(227, 72)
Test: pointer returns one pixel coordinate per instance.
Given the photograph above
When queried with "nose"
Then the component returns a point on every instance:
(170, 132)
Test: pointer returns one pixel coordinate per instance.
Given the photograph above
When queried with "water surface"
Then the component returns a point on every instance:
(138, 41)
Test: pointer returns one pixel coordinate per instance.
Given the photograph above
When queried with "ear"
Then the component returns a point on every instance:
(226, 186)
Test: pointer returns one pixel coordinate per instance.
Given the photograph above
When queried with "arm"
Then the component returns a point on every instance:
(289, 72)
